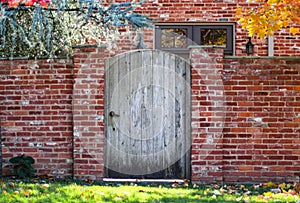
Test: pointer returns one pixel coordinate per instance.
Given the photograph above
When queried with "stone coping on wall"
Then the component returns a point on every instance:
(264, 57)
(204, 47)
(79, 46)
(88, 46)
(245, 57)
(32, 58)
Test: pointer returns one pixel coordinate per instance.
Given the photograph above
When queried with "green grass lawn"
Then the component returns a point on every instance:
(70, 191)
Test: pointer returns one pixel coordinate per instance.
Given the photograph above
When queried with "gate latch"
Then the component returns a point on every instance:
(112, 114)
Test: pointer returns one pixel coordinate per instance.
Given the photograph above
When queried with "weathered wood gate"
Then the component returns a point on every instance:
(147, 115)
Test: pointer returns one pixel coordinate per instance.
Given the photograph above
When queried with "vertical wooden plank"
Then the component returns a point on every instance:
(180, 102)
(135, 110)
(169, 95)
(112, 92)
(115, 100)
(106, 107)
(123, 126)
(158, 110)
(188, 136)
(147, 113)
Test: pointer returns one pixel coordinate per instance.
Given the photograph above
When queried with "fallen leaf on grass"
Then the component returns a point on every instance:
(275, 190)
(45, 186)
(268, 184)
(175, 185)
(297, 187)
(216, 186)
(26, 192)
(197, 196)
(282, 185)
(4, 187)
(268, 194)
(11, 184)
(216, 192)
(247, 199)
(292, 192)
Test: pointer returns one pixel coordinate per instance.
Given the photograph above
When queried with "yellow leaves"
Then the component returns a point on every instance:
(242, 21)
(197, 197)
(247, 199)
(282, 186)
(262, 17)
(268, 195)
(261, 33)
(270, 17)
(4, 186)
(294, 30)
(270, 184)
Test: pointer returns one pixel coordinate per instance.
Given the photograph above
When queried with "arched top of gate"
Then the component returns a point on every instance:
(117, 57)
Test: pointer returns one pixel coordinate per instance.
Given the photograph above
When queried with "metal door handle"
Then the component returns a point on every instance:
(113, 114)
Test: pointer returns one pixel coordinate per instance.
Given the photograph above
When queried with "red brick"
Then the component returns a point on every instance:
(245, 168)
(257, 89)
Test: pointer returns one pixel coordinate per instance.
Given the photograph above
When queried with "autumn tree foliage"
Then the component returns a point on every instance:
(50, 27)
(270, 16)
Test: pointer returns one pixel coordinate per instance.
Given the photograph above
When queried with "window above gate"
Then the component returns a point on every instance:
(177, 38)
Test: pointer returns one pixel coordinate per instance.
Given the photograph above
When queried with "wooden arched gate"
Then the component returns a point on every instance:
(147, 115)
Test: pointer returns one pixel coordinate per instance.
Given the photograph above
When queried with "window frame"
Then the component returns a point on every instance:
(158, 35)
(194, 34)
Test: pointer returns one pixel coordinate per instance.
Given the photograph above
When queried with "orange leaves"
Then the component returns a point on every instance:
(44, 186)
(16, 3)
(13, 4)
(239, 11)
(272, 16)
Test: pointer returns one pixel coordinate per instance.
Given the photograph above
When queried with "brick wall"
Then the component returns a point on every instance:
(36, 113)
(216, 11)
(245, 111)
(88, 115)
(260, 123)
(262, 126)
(208, 107)
(245, 115)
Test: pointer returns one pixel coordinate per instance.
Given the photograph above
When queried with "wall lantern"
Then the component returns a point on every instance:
(249, 47)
